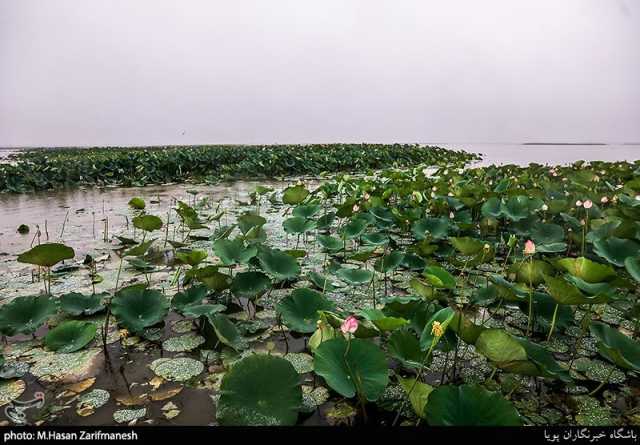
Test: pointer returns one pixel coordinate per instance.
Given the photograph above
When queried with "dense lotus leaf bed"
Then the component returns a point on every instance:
(43, 169)
(505, 291)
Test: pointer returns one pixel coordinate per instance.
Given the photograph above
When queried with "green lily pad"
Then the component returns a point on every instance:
(389, 262)
(418, 393)
(330, 243)
(306, 211)
(616, 250)
(451, 405)
(355, 276)
(70, 336)
(278, 264)
(234, 251)
(349, 368)
(299, 310)
(191, 257)
(297, 225)
(75, 303)
(227, 332)
(564, 292)
(587, 270)
(137, 203)
(47, 255)
(24, 315)
(616, 347)
(321, 282)
(439, 277)
(382, 321)
(148, 223)
(251, 285)
(193, 295)
(294, 195)
(435, 228)
(260, 390)
(137, 307)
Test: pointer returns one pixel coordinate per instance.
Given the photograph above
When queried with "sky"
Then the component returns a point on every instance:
(159, 72)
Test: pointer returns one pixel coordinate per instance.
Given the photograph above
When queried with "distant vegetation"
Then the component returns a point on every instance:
(51, 169)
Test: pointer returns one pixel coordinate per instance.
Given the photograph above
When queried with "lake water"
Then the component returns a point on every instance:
(82, 211)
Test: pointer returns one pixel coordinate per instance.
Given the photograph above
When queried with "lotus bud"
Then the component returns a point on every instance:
(529, 247)
(451, 215)
(486, 248)
(367, 196)
(350, 325)
(582, 222)
(356, 208)
(544, 207)
(604, 200)
(578, 203)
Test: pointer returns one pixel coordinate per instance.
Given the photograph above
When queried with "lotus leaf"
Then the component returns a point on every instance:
(299, 310)
(137, 307)
(451, 405)
(47, 255)
(616, 347)
(260, 390)
(251, 285)
(70, 336)
(354, 367)
(24, 315)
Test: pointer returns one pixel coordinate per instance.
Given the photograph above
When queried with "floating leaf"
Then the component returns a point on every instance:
(70, 336)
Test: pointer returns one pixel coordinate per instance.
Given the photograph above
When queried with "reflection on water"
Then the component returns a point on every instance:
(86, 211)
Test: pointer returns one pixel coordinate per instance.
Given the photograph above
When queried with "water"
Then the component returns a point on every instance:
(86, 209)
(548, 154)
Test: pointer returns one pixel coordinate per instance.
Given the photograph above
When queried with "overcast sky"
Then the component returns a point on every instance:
(127, 72)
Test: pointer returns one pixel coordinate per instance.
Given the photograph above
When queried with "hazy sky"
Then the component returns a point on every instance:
(127, 72)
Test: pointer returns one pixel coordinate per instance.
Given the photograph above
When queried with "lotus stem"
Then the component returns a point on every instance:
(553, 322)
(418, 377)
(64, 223)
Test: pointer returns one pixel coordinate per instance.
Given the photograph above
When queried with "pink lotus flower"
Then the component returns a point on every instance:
(588, 204)
(529, 247)
(350, 325)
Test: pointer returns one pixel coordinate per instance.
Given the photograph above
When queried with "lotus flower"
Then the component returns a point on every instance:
(578, 203)
(529, 247)
(604, 200)
(588, 204)
(436, 329)
(350, 325)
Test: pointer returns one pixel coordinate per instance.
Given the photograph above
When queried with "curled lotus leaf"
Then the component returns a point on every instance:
(616, 347)
(137, 307)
